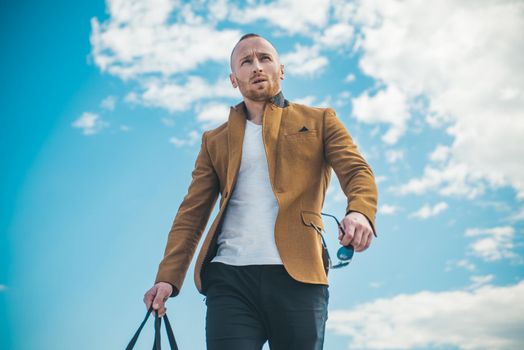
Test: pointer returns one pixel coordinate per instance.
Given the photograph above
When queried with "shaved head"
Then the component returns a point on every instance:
(247, 36)
(255, 68)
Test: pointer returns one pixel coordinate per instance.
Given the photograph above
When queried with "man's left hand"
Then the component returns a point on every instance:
(358, 231)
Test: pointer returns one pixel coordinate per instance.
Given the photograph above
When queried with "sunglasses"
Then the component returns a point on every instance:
(344, 253)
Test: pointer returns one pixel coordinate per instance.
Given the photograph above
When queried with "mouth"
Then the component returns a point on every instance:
(259, 80)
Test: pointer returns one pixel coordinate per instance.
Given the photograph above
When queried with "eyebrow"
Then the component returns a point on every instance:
(259, 54)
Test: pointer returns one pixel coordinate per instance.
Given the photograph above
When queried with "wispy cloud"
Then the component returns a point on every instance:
(456, 179)
(518, 215)
(386, 209)
(428, 211)
(462, 263)
(190, 140)
(394, 155)
(493, 243)
(90, 123)
(441, 319)
(479, 281)
(350, 78)
(304, 60)
(176, 97)
(292, 16)
(212, 114)
(387, 106)
(108, 103)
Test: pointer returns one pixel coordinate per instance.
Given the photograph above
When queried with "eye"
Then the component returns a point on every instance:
(265, 57)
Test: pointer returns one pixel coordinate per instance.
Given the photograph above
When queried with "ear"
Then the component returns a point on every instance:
(281, 72)
(233, 80)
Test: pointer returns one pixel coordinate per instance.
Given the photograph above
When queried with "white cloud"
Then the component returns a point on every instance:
(190, 140)
(89, 123)
(380, 178)
(479, 281)
(108, 103)
(293, 16)
(440, 154)
(392, 156)
(462, 263)
(350, 78)
(304, 60)
(461, 319)
(494, 243)
(3, 287)
(336, 36)
(169, 122)
(465, 61)
(212, 115)
(306, 100)
(138, 39)
(179, 97)
(428, 211)
(456, 179)
(518, 216)
(386, 209)
(386, 106)
(466, 264)
(376, 284)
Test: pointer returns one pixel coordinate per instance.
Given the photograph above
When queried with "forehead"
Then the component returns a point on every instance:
(248, 46)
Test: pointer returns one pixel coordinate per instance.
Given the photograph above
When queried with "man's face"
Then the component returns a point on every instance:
(256, 69)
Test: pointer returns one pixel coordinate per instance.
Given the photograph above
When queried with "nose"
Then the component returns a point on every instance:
(256, 66)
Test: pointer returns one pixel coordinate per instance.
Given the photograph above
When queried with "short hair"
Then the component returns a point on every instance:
(244, 37)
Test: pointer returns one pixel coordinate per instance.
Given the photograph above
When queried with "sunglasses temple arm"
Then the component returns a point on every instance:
(324, 244)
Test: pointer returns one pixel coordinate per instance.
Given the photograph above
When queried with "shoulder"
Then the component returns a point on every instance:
(310, 111)
(217, 133)
(299, 107)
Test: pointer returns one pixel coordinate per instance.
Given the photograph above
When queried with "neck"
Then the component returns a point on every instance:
(255, 109)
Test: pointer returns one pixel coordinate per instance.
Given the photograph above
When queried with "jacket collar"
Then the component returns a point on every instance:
(278, 100)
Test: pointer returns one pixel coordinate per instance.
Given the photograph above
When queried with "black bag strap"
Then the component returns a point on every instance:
(158, 320)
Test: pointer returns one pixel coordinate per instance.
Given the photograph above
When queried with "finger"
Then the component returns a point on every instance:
(148, 298)
(357, 239)
(350, 233)
(162, 311)
(158, 303)
(368, 243)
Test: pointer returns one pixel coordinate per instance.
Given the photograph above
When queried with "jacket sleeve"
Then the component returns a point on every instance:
(354, 173)
(190, 221)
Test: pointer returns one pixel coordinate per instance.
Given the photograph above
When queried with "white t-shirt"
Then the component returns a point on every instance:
(248, 229)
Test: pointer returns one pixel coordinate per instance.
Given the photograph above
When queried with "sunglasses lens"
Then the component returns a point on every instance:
(345, 253)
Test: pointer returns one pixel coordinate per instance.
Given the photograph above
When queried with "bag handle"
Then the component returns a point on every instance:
(158, 320)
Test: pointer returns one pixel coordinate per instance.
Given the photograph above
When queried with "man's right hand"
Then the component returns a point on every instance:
(158, 295)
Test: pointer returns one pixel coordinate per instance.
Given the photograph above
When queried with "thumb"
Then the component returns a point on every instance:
(159, 300)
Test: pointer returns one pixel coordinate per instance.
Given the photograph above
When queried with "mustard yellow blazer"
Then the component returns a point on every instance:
(299, 163)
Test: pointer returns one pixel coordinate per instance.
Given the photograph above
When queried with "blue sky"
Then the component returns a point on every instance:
(103, 107)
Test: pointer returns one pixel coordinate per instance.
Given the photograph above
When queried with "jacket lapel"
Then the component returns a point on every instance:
(270, 130)
(235, 138)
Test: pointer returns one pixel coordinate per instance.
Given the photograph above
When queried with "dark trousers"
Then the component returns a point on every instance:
(249, 305)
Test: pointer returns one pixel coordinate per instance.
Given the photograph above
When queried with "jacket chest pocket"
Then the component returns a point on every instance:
(302, 146)
(301, 135)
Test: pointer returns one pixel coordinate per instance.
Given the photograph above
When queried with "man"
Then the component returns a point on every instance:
(262, 265)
